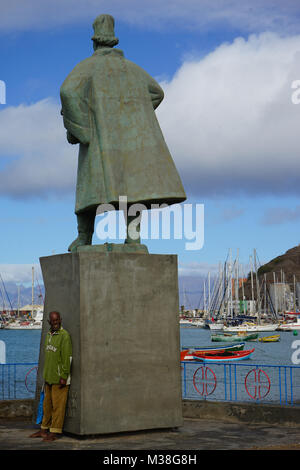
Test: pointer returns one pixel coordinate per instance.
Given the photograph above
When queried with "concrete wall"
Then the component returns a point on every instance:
(16, 408)
(242, 412)
(225, 412)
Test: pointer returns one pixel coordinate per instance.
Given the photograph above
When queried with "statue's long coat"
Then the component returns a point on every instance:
(108, 106)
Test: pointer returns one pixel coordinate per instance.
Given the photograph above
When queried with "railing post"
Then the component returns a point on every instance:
(225, 383)
(8, 375)
(15, 381)
(2, 375)
(230, 383)
(279, 382)
(235, 383)
(291, 382)
(285, 386)
(184, 379)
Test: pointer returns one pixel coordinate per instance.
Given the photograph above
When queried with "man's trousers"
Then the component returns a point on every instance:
(54, 407)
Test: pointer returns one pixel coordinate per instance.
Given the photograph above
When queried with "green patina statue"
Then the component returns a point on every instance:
(108, 105)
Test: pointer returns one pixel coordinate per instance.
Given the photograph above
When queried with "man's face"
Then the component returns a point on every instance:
(55, 321)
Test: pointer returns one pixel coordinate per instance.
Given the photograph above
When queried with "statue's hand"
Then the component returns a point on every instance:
(71, 139)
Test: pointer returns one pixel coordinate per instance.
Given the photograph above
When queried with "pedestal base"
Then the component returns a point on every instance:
(121, 310)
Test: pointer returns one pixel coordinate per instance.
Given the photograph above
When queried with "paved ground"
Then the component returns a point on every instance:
(194, 435)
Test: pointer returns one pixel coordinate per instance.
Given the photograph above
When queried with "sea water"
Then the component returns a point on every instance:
(283, 352)
(24, 345)
(21, 345)
(270, 375)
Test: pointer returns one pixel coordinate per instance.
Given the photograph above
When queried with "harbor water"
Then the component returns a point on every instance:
(18, 376)
(23, 345)
(277, 353)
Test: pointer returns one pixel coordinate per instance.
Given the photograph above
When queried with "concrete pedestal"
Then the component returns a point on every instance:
(121, 310)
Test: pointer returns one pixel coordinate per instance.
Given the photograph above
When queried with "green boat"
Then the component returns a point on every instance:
(228, 337)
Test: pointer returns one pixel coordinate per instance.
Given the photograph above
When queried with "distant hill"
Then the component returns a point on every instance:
(9, 295)
(190, 293)
(284, 266)
(287, 265)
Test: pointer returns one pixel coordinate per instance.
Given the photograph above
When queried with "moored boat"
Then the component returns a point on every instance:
(216, 326)
(250, 327)
(226, 356)
(290, 326)
(186, 354)
(228, 337)
(269, 339)
(24, 325)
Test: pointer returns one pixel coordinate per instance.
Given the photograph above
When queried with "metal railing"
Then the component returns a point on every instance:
(215, 381)
(17, 380)
(241, 382)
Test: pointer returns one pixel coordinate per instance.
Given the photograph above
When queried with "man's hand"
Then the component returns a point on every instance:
(62, 383)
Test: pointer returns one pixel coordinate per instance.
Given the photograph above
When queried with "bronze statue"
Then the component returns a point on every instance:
(108, 105)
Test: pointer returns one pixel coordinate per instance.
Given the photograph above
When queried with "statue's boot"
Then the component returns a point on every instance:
(85, 226)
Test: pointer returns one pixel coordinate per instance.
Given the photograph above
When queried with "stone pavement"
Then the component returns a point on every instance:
(195, 434)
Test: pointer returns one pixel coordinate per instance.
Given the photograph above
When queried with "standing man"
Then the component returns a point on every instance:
(57, 365)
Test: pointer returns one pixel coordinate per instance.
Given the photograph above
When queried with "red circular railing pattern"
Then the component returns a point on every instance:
(204, 381)
(257, 384)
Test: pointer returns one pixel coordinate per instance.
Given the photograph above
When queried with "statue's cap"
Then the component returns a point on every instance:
(104, 32)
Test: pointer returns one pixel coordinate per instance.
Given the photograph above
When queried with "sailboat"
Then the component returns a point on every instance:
(290, 325)
(259, 325)
(36, 322)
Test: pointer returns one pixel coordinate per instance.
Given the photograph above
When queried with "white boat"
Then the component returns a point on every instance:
(216, 326)
(290, 326)
(26, 325)
(185, 322)
(251, 327)
(198, 323)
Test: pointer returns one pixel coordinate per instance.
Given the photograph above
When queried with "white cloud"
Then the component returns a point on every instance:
(35, 157)
(20, 273)
(257, 15)
(194, 269)
(229, 119)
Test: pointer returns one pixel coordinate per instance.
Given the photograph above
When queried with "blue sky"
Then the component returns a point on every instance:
(226, 69)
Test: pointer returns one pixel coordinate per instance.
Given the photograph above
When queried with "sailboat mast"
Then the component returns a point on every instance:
(252, 286)
(237, 283)
(294, 293)
(265, 293)
(32, 292)
(209, 291)
(275, 293)
(18, 300)
(243, 294)
(229, 309)
(257, 287)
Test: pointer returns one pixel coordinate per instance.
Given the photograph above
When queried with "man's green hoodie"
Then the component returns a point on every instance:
(58, 356)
